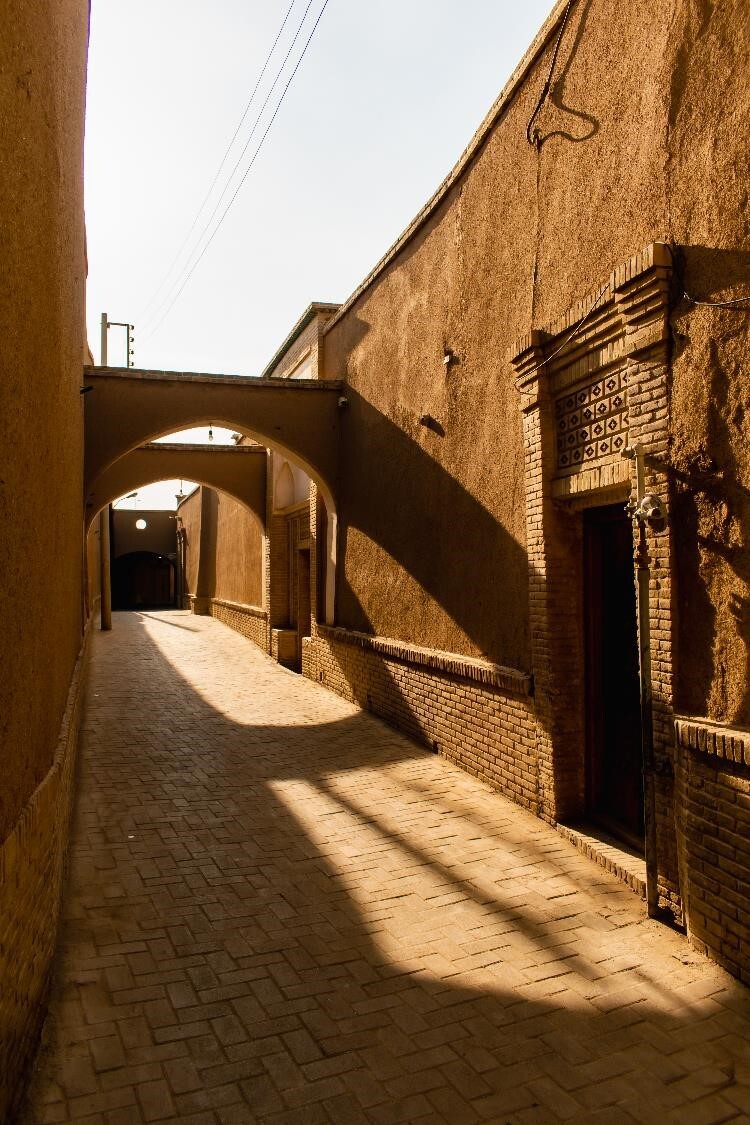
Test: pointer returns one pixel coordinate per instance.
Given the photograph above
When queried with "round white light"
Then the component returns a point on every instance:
(141, 524)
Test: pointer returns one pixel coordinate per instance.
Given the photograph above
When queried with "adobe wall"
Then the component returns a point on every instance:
(239, 553)
(455, 539)
(42, 340)
(189, 513)
(298, 356)
(93, 569)
(42, 345)
(708, 169)
(225, 563)
(157, 537)
(638, 148)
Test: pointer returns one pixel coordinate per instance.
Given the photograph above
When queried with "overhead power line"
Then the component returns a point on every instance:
(212, 216)
(145, 314)
(192, 268)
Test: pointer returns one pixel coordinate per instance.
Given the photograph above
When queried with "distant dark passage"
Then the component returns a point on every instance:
(142, 580)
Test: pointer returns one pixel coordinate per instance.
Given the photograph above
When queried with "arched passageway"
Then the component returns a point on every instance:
(125, 410)
(128, 408)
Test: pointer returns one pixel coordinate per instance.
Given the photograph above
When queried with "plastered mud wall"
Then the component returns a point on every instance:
(189, 513)
(635, 146)
(708, 171)
(93, 569)
(224, 558)
(239, 553)
(42, 597)
(42, 259)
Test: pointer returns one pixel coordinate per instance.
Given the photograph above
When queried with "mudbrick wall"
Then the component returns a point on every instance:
(634, 147)
(224, 559)
(43, 51)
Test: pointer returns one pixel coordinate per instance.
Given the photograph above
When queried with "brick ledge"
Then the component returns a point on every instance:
(713, 739)
(467, 667)
(240, 607)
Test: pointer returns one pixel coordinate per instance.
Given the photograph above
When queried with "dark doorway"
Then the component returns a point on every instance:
(613, 726)
(142, 580)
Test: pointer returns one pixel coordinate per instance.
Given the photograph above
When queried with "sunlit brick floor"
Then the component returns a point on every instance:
(280, 910)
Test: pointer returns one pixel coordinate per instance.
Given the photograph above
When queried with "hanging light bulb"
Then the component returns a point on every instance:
(210, 431)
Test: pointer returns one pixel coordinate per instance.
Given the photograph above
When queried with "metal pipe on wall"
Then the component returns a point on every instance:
(644, 662)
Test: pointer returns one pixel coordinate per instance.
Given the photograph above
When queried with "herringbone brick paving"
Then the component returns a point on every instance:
(280, 910)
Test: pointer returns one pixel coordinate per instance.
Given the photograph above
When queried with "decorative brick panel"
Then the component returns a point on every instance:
(33, 862)
(591, 421)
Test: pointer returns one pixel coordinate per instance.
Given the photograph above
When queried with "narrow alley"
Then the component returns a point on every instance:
(281, 910)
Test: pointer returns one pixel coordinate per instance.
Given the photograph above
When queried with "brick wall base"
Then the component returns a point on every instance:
(32, 870)
(249, 620)
(712, 782)
(284, 647)
(479, 715)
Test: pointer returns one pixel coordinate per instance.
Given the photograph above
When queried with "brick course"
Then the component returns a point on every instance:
(478, 715)
(712, 783)
(33, 862)
(249, 620)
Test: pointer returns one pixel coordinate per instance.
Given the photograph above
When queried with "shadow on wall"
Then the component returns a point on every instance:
(421, 516)
(711, 523)
(262, 845)
(576, 125)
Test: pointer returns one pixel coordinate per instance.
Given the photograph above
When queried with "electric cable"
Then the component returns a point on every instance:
(245, 173)
(576, 331)
(187, 267)
(533, 137)
(678, 266)
(715, 304)
(145, 312)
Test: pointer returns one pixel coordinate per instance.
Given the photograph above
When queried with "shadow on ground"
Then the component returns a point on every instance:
(282, 910)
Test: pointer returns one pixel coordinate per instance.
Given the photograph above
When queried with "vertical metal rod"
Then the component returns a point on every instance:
(103, 350)
(647, 710)
(104, 572)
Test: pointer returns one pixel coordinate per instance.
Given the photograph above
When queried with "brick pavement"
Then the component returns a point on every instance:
(280, 910)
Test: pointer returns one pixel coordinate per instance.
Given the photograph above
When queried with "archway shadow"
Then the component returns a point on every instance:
(711, 522)
(415, 511)
(270, 900)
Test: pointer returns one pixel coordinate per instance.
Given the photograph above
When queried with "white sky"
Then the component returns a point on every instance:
(385, 100)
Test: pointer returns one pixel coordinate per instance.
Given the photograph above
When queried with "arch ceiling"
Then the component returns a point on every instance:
(239, 470)
(125, 409)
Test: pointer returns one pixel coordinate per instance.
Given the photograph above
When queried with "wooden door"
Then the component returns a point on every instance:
(614, 753)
